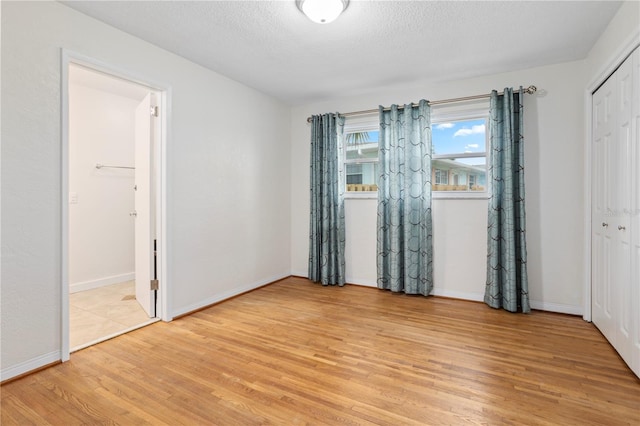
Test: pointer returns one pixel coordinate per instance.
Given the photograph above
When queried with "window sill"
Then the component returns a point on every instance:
(369, 195)
(440, 195)
(457, 195)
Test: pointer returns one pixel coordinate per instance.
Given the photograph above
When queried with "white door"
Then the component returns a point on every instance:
(602, 296)
(621, 210)
(635, 215)
(144, 225)
(615, 210)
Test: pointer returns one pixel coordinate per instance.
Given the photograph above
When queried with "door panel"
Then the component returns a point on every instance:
(634, 220)
(622, 210)
(603, 176)
(616, 210)
(144, 218)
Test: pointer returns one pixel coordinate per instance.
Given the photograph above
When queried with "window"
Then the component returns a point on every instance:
(442, 177)
(459, 157)
(459, 153)
(361, 160)
(354, 174)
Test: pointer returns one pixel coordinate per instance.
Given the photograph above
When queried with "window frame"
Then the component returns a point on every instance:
(364, 123)
(465, 111)
(438, 177)
(456, 113)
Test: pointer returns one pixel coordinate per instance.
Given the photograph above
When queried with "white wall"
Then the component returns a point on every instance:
(101, 232)
(554, 180)
(622, 31)
(228, 175)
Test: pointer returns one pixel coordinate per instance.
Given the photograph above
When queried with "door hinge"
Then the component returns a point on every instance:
(155, 111)
(154, 282)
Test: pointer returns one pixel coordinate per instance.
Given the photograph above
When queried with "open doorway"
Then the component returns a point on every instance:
(113, 181)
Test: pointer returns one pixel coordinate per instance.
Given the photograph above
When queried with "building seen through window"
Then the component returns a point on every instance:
(459, 157)
(361, 161)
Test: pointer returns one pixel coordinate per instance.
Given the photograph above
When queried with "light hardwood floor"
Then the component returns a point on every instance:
(299, 353)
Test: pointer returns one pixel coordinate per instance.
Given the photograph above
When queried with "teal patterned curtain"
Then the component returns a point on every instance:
(326, 225)
(507, 285)
(405, 239)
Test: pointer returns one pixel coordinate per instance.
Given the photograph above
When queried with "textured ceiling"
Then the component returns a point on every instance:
(272, 47)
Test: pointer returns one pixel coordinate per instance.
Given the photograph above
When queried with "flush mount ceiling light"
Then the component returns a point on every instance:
(322, 11)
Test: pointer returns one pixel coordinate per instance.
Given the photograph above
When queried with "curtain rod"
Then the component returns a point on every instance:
(529, 90)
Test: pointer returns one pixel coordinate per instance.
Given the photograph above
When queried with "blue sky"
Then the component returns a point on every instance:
(458, 136)
(454, 137)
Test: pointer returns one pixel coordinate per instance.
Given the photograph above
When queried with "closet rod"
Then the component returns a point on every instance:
(529, 90)
(100, 166)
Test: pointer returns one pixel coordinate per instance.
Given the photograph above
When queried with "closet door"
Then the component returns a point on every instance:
(615, 228)
(621, 211)
(603, 170)
(635, 214)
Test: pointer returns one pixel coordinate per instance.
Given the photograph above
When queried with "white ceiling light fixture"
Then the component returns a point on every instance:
(322, 11)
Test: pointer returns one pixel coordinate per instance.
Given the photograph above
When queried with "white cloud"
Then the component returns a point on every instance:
(473, 130)
(443, 126)
(472, 145)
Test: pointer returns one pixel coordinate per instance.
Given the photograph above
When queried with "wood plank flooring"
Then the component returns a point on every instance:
(298, 353)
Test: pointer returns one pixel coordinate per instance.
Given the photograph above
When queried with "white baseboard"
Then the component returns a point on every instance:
(476, 297)
(354, 281)
(556, 307)
(226, 295)
(541, 306)
(462, 295)
(479, 297)
(89, 285)
(362, 282)
(30, 365)
(300, 273)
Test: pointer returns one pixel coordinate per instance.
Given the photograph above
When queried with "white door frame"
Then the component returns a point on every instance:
(164, 91)
(615, 60)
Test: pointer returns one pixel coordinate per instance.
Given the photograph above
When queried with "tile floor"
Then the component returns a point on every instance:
(102, 313)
